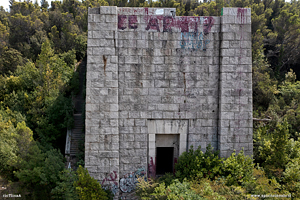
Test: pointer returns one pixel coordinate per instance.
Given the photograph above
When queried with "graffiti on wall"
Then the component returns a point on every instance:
(129, 181)
(130, 22)
(241, 14)
(193, 41)
(110, 183)
(175, 162)
(162, 23)
(152, 168)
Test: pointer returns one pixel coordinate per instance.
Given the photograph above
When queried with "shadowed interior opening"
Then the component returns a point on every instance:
(164, 160)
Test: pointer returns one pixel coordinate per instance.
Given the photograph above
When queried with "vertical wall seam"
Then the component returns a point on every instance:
(219, 85)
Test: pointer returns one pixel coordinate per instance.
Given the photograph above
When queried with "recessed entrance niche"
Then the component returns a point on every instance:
(167, 150)
(167, 140)
(164, 159)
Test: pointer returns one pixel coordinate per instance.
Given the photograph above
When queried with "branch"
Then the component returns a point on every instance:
(262, 120)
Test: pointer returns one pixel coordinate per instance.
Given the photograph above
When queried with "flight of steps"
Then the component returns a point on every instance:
(77, 132)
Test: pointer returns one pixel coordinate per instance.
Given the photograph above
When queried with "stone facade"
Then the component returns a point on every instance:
(154, 77)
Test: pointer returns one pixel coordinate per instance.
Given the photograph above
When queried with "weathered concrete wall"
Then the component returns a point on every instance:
(150, 74)
(235, 100)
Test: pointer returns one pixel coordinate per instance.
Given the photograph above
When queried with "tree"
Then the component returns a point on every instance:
(87, 187)
(10, 60)
(44, 4)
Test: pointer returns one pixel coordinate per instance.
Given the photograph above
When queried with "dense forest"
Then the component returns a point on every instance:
(40, 49)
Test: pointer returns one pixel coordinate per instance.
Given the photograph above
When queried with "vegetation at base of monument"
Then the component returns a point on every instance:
(236, 178)
(40, 47)
(177, 190)
(236, 169)
(194, 164)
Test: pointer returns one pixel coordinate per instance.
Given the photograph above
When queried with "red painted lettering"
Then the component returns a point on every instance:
(121, 22)
(132, 22)
(208, 23)
(167, 23)
(153, 24)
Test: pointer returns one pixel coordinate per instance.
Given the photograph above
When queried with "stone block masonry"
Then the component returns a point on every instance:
(154, 77)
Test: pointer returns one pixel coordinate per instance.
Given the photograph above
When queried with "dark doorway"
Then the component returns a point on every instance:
(164, 160)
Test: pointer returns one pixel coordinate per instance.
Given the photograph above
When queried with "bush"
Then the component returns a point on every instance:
(193, 164)
(176, 190)
(87, 187)
(65, 188)
(39, 172)
(167, 179)
(263, 185)
(145, 188)
(238, 169)
(204, 189)
(292, 177)
(228, 192)
(273, 146)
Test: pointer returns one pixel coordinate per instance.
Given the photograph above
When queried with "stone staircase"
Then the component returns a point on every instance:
(76, 135)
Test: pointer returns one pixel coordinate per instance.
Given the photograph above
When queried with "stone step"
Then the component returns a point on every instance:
(78, 132)
(78, 127)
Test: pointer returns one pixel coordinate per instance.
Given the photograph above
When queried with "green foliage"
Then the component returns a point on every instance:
(263, 185)
(10, 60)
(40, 91)
(238, 169)
(203, 188)
(4, 33)
(273, 146)
(264, 86)
(65, 188)
(194, 164)
(39, 172)
(167, 179)
(145, 188)
(292, 177)
(81, 153)
(87, 187)
(175, 191)
(15, 141)
(80, 46)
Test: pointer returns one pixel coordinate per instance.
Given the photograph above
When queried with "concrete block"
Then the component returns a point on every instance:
(94, 11)
(110, 18)
(228, 36)
(111, 10)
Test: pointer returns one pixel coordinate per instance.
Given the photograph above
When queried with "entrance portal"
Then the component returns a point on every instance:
(165, 157)
(167, 141)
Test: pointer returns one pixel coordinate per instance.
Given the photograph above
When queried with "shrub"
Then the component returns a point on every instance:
(204, 189)
(145, 188)
(263, 185)
(238, 169)
(292, 177)
(167, 179)
(175, 191)
(39, 172)
(193, 164)
(228, 192)
(65, 188)
(87, 187)
(273, 146)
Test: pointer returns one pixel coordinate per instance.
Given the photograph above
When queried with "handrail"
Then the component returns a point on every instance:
(68, 142)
